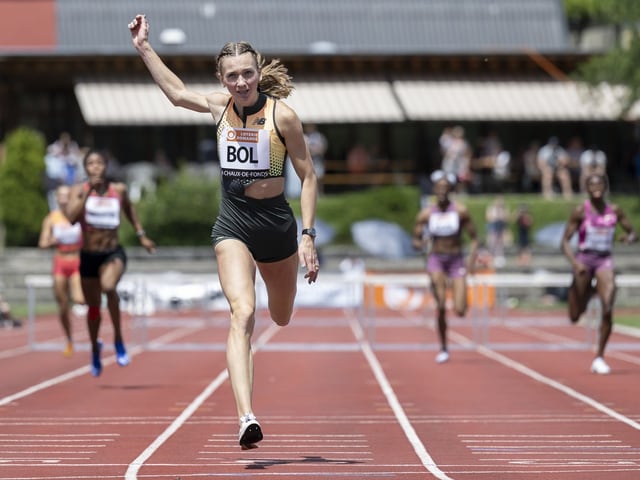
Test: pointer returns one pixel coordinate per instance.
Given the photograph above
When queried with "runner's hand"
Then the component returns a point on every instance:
(308, 258)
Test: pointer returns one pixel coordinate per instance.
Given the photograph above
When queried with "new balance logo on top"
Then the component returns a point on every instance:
(259, 121)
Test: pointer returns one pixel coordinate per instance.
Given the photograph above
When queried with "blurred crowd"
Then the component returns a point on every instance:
(551, 168)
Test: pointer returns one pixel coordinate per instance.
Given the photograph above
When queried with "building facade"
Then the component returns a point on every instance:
(390, 76)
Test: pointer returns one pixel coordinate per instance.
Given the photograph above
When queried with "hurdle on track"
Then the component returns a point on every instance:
(375, 299)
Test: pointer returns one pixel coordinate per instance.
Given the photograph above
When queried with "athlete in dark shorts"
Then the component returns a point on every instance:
(255, 229)
(595, 222)
(441, 224)
(97, 204)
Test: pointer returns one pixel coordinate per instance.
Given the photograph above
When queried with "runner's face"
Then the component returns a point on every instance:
(241, 77)
(595, 187)
(62, 195)
(441, 189)
(95, 166)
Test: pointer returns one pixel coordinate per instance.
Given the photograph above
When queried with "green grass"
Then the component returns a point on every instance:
(631, 320)
(400, 204)
(21, 310)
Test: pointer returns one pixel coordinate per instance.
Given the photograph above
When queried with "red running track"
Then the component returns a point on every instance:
(332, 405)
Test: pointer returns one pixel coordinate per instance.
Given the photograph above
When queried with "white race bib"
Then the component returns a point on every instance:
(102, 212)
(599, 239)
(444, 224)
(67, 234)
(245, 151)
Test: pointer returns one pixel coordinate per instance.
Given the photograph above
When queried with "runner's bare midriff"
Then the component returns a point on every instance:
(100, 240)
(267, 188)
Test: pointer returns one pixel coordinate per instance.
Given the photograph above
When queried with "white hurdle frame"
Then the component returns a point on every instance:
(359, 302)
(480, 318)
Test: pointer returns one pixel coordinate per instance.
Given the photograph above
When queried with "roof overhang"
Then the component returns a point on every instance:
(143, 103)
(359, 100)
(501, 100)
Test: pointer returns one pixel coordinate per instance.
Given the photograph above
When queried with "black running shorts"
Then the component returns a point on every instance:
(90, 262)
(266, 226)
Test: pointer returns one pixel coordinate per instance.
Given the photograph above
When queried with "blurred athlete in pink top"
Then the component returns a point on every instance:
(595, 221)
(442, 224)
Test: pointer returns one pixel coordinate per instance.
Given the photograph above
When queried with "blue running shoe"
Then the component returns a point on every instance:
(96, 363)
(121, 354)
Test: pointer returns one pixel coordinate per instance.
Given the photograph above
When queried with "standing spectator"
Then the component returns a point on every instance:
(441, 225)
(497, 216)
(495, 160)
(524, 222)
(531, 176)
(59, 233)
(456, 156)
(592, 161)
(595, 221)
(553, 163)
(575, 148)
(62, 162)
(317, 143)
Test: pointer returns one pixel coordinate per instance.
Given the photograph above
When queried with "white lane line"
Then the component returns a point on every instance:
(397, 409)
(510, 363)
(14, 352)
(134, 467)
(529, 372)
(80, 371)
(625, 357)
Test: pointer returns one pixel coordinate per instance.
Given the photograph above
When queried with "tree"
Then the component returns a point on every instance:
(621, 65)
(23, 204)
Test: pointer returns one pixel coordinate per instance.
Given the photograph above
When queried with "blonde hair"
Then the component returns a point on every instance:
(275, 80)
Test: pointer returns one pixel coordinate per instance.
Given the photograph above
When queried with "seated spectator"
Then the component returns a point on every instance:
(6, 318)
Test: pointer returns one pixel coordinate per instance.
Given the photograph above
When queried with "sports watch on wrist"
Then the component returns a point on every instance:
(309, 231)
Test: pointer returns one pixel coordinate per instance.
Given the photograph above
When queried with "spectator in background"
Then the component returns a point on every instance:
(575, 148)
(497, 217)
(495, 161)
(553, 163)
(592, 161)
(531, 172)
(63, 166)
(456, 156)
(6, 318)
(317, 144)
(524, 222)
